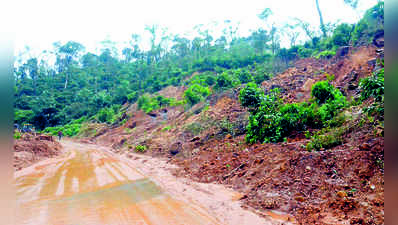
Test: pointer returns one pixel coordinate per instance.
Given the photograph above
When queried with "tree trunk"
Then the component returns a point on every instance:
(323, 29)
(66, 80)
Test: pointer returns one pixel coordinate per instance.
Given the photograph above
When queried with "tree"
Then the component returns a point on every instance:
(273, 30)
(323, 28)
(66, 57)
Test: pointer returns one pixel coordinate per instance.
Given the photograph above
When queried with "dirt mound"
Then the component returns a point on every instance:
(295, 83)
(337, 186)
(30, 149)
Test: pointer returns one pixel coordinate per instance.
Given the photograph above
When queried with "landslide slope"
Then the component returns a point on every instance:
(339, 185)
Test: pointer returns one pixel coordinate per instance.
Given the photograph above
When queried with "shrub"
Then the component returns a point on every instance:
(327, 54)
(373, 86)
(210, 80)
(166, 128)
(304, 52)
(105, 115)
(244, 76)
(196, 93)
(251, 96)
(23, 116)
(224, 81)
(322, 91)
(148, 104)
(17, 135)
(325, 141)
(273, 121)
(342, 34)
(132, 97)
(140, 148)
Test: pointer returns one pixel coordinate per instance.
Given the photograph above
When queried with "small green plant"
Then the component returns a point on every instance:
(251, 96)
(196, 93)
(140, 148)
(166, 128)
(325, 141)
(225, 81)
(127, 130)
(148, 103)
(17, 135)
(194, 128)
(326, 54)
(322, 91)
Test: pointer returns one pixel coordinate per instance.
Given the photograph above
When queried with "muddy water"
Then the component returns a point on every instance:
(89, 186)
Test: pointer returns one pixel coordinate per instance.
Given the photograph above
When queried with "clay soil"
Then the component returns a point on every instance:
(31, 149)
(340, 185)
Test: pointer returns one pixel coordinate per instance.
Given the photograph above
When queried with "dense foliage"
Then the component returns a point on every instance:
(85, 86)
(271, 120)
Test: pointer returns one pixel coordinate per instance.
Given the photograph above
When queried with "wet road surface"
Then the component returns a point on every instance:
(90, 186)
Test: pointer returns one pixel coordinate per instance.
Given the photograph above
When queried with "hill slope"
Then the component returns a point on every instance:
(336, 185)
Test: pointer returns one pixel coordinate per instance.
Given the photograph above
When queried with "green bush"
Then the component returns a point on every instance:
(322, 91)
(148, 104)
(342, 34)
(325, 141)
(244, 76)
(105, 115)
(23, 116)
(140, 148)
(224, 81)
(17, 135)
(132, 97)
(70, 130)
(304, 52)
(251, 96)
(166, 128)
(273, 121)
(196, 93)
(210, 80)
(373, 86)
(326, 54)
(371, 22)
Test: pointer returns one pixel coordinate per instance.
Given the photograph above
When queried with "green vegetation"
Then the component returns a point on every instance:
(166, 128)
(373, 87)
(92, 87)
(148, 104)
(140, 148)
(324, 141)
(196, 93)
(272, 121)
(17, 135)
(251, 96)
(326, 54)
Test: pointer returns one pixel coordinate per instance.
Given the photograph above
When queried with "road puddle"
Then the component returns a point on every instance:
(90, 187)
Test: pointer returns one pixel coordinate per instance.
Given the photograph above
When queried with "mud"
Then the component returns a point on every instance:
(31, 149)
(342, 185)
(89, 184)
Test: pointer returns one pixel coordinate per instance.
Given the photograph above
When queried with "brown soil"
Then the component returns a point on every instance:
(341, 185)
(31, 149)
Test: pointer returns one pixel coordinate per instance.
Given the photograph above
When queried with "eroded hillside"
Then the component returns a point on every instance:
(336, 185)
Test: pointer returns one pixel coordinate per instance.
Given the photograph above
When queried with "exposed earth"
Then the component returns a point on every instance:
(88, 184)
(284, 181)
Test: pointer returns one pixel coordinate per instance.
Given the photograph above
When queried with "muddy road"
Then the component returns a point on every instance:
(88, 184)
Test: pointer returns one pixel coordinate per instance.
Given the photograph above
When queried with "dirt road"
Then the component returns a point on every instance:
(88, 184)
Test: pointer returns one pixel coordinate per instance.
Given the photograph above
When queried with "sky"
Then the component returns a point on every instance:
(40, 23)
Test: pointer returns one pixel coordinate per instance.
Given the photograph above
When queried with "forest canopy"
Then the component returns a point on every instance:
(83, 85)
